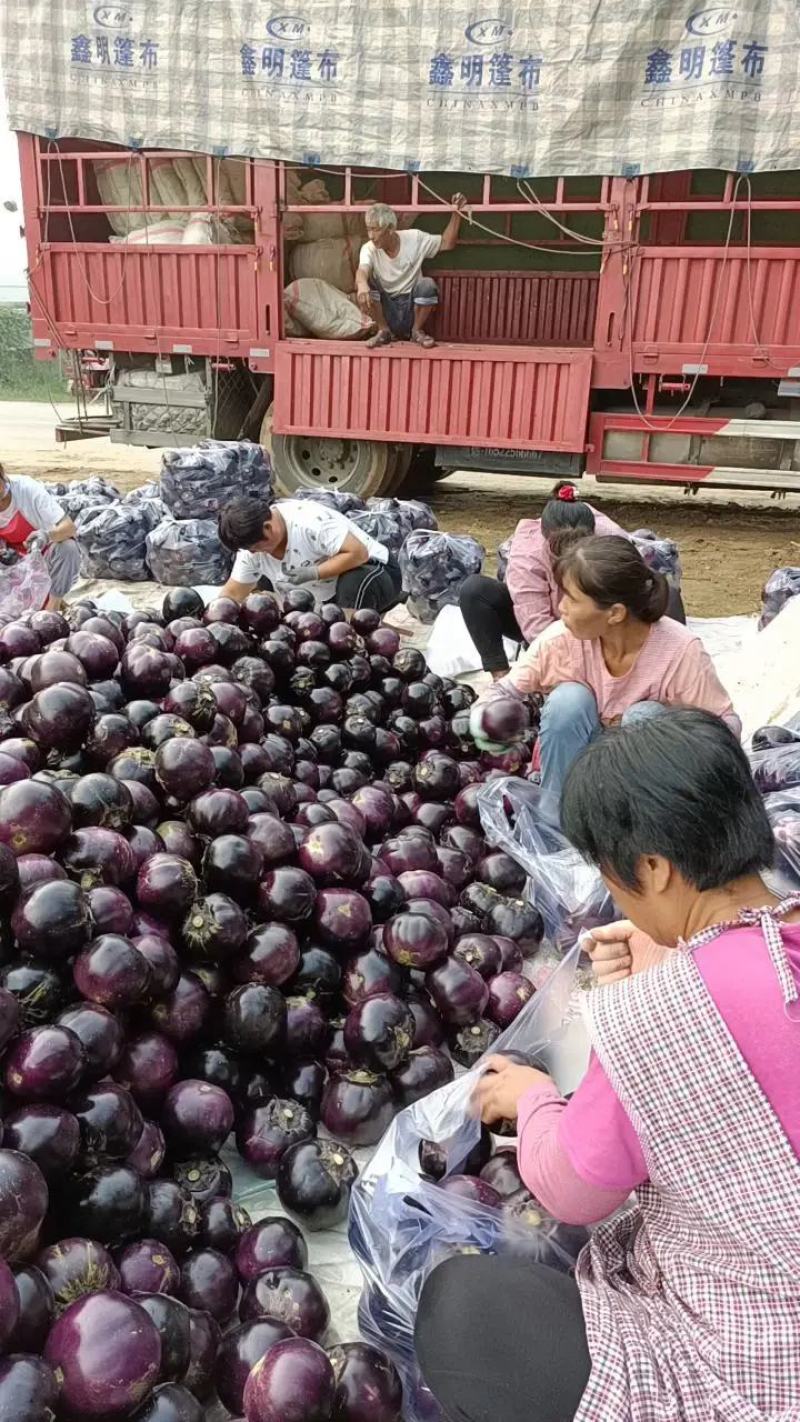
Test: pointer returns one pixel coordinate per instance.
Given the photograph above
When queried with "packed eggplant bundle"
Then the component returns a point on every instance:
(187, 553)
(440, 1184)
(337, 499)
(660, 554)
(434, 567)
(147, 499)
(780, 586)
(244, 896)
(83, 494)
(409, 513)
(197, 482)
(112, 541)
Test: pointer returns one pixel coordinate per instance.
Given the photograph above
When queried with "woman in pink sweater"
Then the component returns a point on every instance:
(619, 658)
(686, 1305)
(527, 602)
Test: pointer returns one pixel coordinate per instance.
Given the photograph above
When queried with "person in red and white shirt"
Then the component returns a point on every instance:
(31, 518)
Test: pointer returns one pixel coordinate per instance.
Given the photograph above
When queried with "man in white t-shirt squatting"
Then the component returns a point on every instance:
(297, 543)
(390, 287)
(30, 517)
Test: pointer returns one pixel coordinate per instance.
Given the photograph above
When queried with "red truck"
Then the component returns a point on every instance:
(643, 329)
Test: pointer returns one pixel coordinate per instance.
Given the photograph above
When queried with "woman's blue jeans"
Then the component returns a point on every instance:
(570, 722)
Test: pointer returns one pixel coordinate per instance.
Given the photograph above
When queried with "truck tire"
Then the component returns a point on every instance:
(421, 471)
(403, 455)
(352, 466)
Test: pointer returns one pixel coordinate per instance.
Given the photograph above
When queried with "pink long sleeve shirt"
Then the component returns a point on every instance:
(530, 577)
(582, 1158)
(672, 667)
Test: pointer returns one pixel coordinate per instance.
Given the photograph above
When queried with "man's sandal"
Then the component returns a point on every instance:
(383, 338)
(421, 338)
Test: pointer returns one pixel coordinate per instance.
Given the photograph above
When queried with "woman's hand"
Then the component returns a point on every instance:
(619, 949)
(503, 1084)
(477, 733)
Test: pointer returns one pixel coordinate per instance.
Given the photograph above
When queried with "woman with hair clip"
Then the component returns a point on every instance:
(619, 659)
(527, 602)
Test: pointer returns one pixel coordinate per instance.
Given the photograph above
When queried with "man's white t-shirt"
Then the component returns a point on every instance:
(397, 275)
(314, 532)
(33, 500)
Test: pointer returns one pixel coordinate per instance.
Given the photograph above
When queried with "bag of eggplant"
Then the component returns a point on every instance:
(437, 1185)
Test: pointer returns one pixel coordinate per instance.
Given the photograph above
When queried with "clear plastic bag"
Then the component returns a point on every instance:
(419, 514)
(334, 498)
(24, 586)
(783, 810)
(386, 528)
(148, 501)
(402, 1225)
(780, 586)
(778, 768)
(112, 542)
(434, 567)
(660, 554)
(187, 553)
(83, 494)
(198, 482)
(519, 817)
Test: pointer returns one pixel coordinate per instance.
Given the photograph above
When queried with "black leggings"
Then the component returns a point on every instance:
(500, 1340)
(488, 612)
(376, 585)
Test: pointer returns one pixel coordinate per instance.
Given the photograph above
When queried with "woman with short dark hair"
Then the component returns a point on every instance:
(618, 659)
(686, 1304)
(301, 543)
(527, 602)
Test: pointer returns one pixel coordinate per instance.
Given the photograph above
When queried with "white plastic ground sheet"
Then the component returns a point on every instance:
(762, 672)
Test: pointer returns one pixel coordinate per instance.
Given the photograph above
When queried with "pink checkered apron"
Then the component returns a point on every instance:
(692, 1297)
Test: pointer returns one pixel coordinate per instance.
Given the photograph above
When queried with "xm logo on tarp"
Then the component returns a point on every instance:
(489, 32)
(113, 17)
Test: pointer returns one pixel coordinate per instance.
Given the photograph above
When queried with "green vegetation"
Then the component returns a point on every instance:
(22, 377)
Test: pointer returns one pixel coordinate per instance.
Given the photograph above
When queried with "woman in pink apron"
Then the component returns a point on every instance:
(686, 1305)
(30, 517)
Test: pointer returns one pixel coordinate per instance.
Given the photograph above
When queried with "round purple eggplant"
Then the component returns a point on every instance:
(100, 1376)
(196, 1116)
(75, 1267)
(239, 1352)
(265, 1133)
(357, 1106)
(291, 1296)
(314, 1182)
(293, 1382)
(273, 1243)
(147, 1267)
(209, 1282)
(368, 1387)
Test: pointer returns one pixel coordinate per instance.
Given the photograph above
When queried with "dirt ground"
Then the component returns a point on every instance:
(729, 543)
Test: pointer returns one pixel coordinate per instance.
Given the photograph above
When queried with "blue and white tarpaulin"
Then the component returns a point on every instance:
(545, 87)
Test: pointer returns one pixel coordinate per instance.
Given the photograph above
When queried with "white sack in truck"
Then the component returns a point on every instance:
(324, 311)
(333, 260)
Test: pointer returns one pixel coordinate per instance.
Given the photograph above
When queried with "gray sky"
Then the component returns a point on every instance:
(13, 286)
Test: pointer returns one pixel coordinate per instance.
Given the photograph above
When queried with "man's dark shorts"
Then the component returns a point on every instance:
(398, 311)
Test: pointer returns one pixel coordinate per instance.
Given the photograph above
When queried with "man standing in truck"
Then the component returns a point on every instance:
(31, 518)
(390, 287)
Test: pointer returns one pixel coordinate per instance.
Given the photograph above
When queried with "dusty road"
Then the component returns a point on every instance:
(729, 543)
